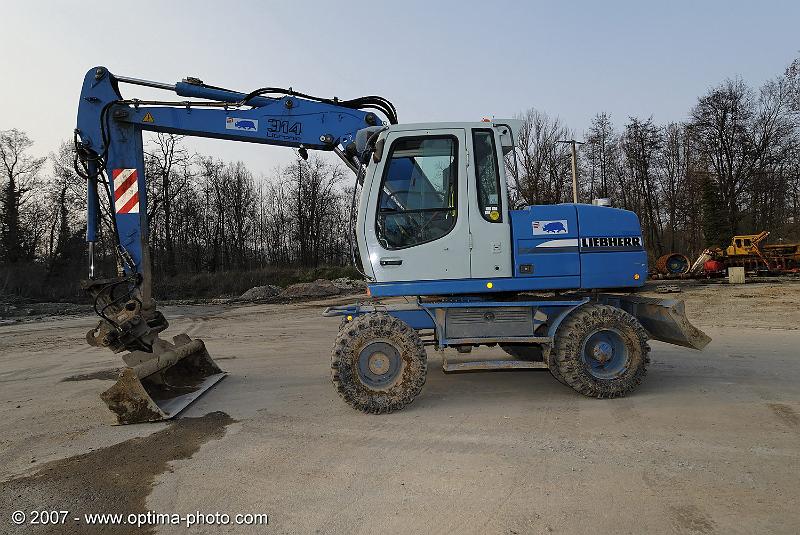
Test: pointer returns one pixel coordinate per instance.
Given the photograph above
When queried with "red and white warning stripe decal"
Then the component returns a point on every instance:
(126, 191)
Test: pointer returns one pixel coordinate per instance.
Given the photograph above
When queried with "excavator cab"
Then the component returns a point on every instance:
(434, 202)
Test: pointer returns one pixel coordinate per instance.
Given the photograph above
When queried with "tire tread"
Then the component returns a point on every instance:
(566, 355)
(352, 337)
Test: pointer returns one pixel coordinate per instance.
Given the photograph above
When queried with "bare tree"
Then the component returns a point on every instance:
(641, 142)
(65, 201)
(600, 143)
(278, 221)
(20, 172)
(792, 75)
(167, 168)
(543, 175)
(241, 209)
(315, 197)
(772, 134)
(212, 190)
(722, 125)
(673, 180)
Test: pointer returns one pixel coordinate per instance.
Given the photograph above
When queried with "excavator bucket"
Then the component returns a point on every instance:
(159, 385)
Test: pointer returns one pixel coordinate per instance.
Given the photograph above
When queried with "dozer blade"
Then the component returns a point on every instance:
(663, 319)
(159, 385)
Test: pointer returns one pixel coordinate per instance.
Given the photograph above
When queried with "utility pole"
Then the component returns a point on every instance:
(574, 143)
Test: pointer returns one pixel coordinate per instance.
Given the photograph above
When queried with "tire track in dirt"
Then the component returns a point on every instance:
(785, 414)
(688, 518)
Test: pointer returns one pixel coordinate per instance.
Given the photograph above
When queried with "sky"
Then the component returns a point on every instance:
(435, 60)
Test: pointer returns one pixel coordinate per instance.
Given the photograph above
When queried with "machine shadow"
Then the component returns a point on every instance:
(473, 387)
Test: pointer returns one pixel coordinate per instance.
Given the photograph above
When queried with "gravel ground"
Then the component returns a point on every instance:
(708, 444)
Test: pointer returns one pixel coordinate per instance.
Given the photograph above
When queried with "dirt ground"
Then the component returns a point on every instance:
(708, 444)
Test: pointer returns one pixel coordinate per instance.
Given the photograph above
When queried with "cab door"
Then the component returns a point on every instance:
(490, 255)
(416, 226)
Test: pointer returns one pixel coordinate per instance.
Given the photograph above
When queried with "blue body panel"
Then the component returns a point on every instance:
(304, 124)
(613, 270)
(610, 266)
(555, 247)
(416, 319)
(552, 252)
(471, 286)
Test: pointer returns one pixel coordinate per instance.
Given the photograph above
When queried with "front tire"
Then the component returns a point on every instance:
(378, 363)
(601, 351)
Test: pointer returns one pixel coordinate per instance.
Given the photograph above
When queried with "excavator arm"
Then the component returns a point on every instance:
(110, 157)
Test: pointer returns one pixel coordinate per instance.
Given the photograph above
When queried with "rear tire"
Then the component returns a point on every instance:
(601, 351)
(378, 363)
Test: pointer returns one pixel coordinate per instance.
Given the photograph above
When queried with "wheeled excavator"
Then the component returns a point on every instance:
(553, 286)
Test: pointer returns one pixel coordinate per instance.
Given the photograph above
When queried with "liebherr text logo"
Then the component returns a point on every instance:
(630, 243)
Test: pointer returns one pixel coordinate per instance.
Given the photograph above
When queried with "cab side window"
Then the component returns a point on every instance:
(487, 175)
(418, 196)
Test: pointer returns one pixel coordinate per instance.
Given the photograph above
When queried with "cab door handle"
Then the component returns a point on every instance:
(391, 261)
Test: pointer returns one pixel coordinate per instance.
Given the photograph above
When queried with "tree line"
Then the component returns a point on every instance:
(732, 167)
(209, 215)
(204, 215)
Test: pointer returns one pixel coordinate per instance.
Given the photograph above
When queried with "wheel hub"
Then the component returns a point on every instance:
(378, 363)
(602, 351)
(605, 354)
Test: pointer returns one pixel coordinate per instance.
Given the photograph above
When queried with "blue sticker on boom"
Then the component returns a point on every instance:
(235, 123)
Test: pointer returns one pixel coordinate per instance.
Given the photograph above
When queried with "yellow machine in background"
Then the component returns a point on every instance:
(746, 245)
(747, 251)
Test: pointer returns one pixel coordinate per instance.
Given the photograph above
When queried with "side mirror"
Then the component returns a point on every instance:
(506, 140)
(377, 154)
(509, 131)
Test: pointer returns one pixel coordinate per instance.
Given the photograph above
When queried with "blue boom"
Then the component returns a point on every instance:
(110, 131)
